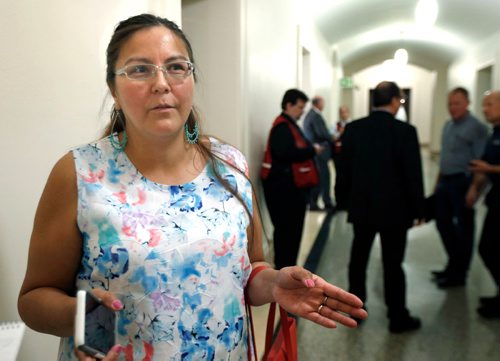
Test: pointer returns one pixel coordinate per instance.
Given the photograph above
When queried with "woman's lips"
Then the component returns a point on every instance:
(162, 108)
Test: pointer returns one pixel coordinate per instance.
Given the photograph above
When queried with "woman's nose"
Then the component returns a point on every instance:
(161, 83)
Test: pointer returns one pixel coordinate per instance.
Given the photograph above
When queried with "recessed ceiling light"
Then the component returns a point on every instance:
(426, 12)
(401, 56)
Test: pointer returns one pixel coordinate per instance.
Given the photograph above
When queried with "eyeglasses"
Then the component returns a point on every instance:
(177, 70)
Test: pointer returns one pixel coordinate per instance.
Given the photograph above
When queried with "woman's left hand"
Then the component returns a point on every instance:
(309, 296)
(112, 355)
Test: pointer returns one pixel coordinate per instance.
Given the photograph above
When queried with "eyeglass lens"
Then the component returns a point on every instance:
(179, 70)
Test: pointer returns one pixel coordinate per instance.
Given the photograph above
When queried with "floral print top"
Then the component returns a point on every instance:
(175, 255)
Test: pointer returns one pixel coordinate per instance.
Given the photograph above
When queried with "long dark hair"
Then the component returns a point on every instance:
(124, 30)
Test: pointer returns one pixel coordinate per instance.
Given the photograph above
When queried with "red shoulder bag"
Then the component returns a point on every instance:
(305, 174)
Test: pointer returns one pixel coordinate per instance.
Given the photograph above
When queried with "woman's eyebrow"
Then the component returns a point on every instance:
(137, 60)
(148, 61)
(176, 57)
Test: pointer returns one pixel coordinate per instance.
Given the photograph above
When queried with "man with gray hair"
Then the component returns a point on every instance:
(316, 131)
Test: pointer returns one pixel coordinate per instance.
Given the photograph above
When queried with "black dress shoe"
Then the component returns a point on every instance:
(408, 323)
(330, 208)
(359, 321)
(448, 282)
(490, 311)
(439, 274)
(490, 301)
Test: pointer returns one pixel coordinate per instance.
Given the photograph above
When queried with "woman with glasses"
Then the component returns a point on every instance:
(159, 222)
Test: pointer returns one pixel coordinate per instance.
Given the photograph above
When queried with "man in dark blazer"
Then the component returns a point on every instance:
(384, 188)
(316, 131)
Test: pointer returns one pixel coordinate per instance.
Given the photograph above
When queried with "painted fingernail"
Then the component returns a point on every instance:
(117, 348)
(117, 304)
(309, 283)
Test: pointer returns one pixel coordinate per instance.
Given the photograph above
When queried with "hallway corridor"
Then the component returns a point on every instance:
(451, 328)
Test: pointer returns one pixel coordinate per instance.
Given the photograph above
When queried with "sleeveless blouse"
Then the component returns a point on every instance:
(175, 255)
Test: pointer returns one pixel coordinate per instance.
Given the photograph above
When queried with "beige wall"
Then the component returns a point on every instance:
(440, 113)
(274, 42)
(213, 28)
(53, 88)
(464, 71)
(438, 105)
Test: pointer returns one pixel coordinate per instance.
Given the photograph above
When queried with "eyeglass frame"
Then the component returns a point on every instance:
(191, 67)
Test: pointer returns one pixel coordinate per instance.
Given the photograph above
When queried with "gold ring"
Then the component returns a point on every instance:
(319, 308)
(324, 300)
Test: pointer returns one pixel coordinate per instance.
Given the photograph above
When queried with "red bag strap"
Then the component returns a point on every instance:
(299, 139)
(285, 328)
(270, 328)
(251, 332)
(256, 271)
(299, 142)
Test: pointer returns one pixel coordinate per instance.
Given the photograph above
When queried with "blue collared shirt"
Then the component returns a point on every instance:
(462, 140)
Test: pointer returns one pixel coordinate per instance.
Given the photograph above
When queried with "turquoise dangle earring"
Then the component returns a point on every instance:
(117, 144)
(191, 137)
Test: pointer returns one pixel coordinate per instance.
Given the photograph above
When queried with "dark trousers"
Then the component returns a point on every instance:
(393, 244)
(340, 197)
(489, 246)
(455, 223)
(324, 184)
(287, 209)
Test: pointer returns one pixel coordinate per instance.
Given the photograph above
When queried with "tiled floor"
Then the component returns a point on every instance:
(451, 328)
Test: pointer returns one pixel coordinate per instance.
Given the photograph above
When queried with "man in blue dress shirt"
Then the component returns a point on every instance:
(463, 139)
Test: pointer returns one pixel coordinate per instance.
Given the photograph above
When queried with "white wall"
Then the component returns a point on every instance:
(322, 68)
(248, 53)
(214, 29)
(421, 82)
(275, 33)
(463, 72)
(53, 87)
(271, 68)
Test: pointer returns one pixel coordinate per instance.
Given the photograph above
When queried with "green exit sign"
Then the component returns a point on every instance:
(346, 82)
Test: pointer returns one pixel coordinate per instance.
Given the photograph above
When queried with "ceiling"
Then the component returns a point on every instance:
(374, 29)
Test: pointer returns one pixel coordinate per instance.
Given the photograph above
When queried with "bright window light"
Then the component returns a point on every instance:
(426, 12)
(401, 56)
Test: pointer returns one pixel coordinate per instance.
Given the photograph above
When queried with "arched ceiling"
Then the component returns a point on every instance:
(361, 29)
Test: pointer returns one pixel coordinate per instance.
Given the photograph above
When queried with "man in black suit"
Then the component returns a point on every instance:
(384, 188)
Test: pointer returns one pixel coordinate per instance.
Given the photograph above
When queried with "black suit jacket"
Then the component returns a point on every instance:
(383, 171)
